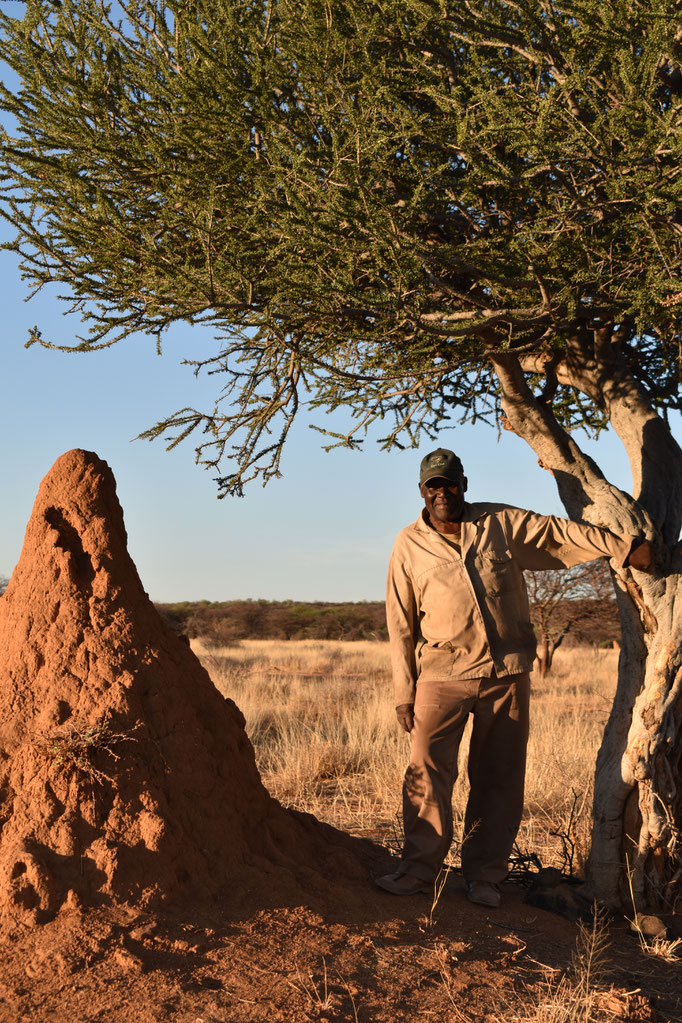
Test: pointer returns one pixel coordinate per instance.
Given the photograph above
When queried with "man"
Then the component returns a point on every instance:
(462, 643)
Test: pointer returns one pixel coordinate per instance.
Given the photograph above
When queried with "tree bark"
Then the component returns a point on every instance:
(651, 848)
(545, 657)
(636, 845)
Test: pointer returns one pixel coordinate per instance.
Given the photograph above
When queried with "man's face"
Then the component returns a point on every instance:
(444, 499)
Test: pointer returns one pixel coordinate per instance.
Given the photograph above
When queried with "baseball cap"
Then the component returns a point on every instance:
(440, 462)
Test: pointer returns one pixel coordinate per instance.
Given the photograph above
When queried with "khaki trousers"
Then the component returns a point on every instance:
(497, 765)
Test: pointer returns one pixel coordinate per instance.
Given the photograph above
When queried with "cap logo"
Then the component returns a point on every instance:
(440, 462)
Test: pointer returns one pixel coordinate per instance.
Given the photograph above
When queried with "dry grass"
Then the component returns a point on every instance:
(580, 995)
(320, 716)
(568, 714)
(75, 748)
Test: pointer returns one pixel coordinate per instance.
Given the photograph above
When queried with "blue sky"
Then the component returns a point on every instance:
(324, 532)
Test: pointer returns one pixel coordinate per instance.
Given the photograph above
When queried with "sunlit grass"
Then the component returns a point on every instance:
(320, 716)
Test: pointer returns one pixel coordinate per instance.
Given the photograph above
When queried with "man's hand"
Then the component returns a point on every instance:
(405, 715)
(642, 557)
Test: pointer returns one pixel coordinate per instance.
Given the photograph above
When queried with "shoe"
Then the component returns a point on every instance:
(484, 893)
(403, 884)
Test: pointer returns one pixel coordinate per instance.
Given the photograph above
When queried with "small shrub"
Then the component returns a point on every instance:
(76, 748)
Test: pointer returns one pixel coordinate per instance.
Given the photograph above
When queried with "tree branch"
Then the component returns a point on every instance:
(582, 486)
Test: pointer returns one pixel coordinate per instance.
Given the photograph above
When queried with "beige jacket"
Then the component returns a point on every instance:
(456, 617)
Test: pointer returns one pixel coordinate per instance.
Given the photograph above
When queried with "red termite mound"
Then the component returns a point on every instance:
(125, 777)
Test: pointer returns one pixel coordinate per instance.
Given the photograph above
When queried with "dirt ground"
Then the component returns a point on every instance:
(351, 953)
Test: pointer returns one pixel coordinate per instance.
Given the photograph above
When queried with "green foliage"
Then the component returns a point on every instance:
(363, 199)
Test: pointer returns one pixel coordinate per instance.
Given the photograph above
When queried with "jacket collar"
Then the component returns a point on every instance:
(472, 512)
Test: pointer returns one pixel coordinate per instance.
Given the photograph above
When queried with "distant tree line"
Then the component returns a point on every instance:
(225, 622)
(230, 621)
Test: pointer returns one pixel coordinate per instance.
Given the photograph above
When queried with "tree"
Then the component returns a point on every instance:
(412, 210)
(559, 601)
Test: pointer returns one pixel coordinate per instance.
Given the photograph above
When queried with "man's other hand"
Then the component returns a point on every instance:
(405, 715)
(642, 557)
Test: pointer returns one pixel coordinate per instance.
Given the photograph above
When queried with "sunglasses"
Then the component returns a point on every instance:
(438, 482)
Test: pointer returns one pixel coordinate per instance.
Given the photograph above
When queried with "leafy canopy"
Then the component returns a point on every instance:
(363, 198)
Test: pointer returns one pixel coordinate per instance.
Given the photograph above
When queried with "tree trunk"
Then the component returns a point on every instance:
(636, 849)
(545, 656)
(636, 842)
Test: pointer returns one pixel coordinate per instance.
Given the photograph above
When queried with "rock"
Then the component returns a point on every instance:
(144, 931)
(127, 961)
(631, 1006)
(650, 927)
(551, 891)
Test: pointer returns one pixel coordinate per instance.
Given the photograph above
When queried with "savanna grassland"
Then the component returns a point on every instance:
(320, 716)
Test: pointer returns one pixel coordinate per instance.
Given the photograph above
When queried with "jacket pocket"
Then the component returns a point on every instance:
(496, 558)
(436, 662)
(496, 570)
